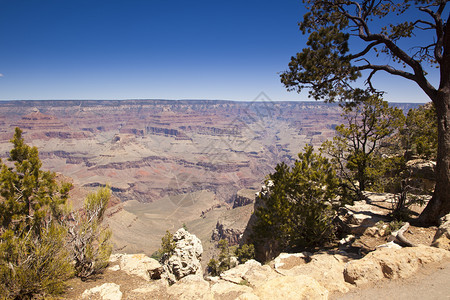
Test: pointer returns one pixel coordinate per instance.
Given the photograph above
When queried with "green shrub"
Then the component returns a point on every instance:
(297, 213)
(245, 252)
(90, 241)
(34, 266)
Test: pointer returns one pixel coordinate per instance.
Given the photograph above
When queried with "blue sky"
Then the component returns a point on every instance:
(154, 49)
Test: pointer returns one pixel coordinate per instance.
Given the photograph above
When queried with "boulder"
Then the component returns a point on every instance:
(140, 265)
(421, 168)
(291, 287)
(190, 287)
(422, 173)
(251, 272)
(357, 218)
(326, 269)
(186, 257)
(442, 237)
(227, 290)
(106, 291)
(391, 263)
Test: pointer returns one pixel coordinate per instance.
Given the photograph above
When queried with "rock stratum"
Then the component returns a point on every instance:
(150, 149)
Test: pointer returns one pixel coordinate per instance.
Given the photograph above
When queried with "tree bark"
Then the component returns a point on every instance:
(439, 204)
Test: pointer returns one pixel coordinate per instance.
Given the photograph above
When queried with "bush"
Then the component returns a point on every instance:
(34, 266)
(90, 241)
(245, 252)
(297, 212)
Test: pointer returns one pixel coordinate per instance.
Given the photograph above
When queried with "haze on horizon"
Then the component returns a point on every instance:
(137, 49)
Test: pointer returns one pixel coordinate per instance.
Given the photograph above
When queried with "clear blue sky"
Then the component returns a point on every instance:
(154, 49)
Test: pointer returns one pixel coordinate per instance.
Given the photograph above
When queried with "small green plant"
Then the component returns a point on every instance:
(244, 282)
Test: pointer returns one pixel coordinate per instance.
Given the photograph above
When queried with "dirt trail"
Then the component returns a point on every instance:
(430, 282)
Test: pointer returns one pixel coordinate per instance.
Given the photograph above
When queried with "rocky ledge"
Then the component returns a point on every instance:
(289, 276)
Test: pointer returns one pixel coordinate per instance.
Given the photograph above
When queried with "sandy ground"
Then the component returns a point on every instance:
(430, 282)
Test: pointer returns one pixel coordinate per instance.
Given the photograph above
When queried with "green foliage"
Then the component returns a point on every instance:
(244, 282)
(419, 136)
(216, 267)
(90, 241)
(245, 252)
(167, 245)
(34, 261)
(34, 266)
(298, 210)
(393, 226)
(213, 267)
(156, 255)
(224, 256)
(356, 148)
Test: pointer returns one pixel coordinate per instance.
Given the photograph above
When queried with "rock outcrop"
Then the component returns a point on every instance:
(391, 263)
(292, 287)
(442, 237)
(326, 268)
(140, 265)
(225, 231)
(422, 173)
(106, 291)
(267, 249)
(244, 197)
(185, 259)
(359, 217)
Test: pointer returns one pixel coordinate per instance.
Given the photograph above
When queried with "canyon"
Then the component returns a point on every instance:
(168, 162)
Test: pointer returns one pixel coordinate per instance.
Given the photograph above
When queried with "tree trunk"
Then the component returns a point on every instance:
(439, 205)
